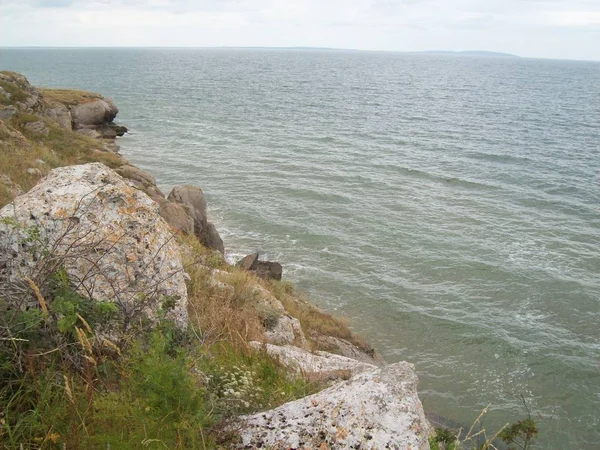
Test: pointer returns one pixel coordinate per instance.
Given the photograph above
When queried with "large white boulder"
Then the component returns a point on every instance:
(106, 234)
(379, 409)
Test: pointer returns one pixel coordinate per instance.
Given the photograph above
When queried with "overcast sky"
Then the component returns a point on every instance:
(538, 28)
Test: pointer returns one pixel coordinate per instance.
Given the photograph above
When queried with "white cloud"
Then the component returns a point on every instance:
(543, 28)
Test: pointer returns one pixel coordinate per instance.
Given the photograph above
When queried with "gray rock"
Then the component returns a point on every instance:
(89, 132)
(193, 198)
(378, 409)
(327, 365)
(177, 216)
(93, 113)
(61, 115)
(7, 112)
(268, 270)
(286, 330)
(4, 94)
(212, 238)
(108, 236)
(141, 180)
(346, 348)
(248, 262)
(38, 127)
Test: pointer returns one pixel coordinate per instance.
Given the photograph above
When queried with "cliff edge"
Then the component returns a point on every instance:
(117, 300)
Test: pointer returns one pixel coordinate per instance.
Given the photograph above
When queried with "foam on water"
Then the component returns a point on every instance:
(448, 206)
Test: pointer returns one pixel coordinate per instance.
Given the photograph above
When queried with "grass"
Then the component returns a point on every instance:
(61, 384)
(68, 97)
(20, 150)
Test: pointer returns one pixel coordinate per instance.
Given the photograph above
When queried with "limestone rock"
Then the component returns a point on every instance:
(61, 115)
(37, 127)
(7, 112)
(108, 236)
(286, 331)
(193, 199)
(379, 409)
(346, 348)
(97, 112)
(89, 132)
(141, 180)
(4, 94)
(327, 365)
(248, 262)
(177, 216)
(212, 238)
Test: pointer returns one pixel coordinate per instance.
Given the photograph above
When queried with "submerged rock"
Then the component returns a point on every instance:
(107, 235)
(379, 409)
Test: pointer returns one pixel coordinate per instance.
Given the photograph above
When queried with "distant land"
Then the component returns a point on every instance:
(470, 53)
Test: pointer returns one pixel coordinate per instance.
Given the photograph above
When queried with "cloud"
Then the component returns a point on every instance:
(543, 28)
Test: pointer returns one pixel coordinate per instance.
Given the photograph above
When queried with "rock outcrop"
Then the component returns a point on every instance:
(321, 365)
(107, 235)
(378, 409)
(267, 270)
(192, 198)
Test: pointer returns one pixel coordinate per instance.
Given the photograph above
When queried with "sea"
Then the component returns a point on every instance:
(447, 206)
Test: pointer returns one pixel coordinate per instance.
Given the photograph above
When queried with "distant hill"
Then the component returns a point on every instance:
(470, 53)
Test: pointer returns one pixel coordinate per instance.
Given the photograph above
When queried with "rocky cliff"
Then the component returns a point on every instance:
(74, 206)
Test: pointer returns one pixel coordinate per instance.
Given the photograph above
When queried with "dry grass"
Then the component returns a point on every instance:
(315, 321)
(218, 311)
(68, 97)
(21, 150)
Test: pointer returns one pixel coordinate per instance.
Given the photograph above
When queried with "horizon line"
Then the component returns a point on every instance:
(224, 47)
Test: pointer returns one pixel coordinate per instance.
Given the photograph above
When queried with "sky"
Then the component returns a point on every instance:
(565, 29)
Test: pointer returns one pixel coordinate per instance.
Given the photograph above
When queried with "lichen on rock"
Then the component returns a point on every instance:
(379, 409)
(107, 236)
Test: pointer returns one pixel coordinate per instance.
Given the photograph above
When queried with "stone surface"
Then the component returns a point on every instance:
(37, 127)
(212, 239)
(248, 262)
(346, 348)
(177, 216)
(326, 364)
(268, 270)
(378, 409)
(193, 198)
(89, 132)
(286, 330)
(61, 115)
(7, 112)
(141, 180)
(108, 235)
(94, 113)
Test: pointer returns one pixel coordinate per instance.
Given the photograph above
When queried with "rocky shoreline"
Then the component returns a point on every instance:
(132, 242)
